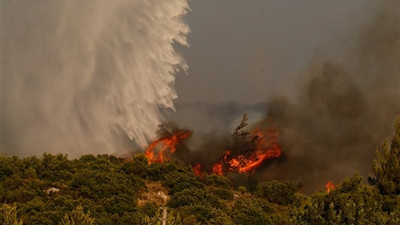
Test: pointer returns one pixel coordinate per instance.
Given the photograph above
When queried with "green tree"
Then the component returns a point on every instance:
(386, 167)
(281, 193)
(217, 181)
(137, 166)
(251, 211)
(77, 217)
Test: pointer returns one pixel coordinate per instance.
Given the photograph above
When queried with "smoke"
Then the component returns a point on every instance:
(83, 76)
(345, 108)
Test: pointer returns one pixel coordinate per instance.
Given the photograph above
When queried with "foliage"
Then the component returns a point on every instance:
(172, 219)
(77, 217)
(251, 211)
(53, 189)
(351, 203)
(217, 181)
(8, 215)
(386, 167)
(222, 193)
(281, 193)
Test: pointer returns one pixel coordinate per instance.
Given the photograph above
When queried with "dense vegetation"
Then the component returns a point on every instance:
(105, 189)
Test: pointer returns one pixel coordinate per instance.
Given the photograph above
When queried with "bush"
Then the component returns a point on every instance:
(78, 216)
(217, 181)
(8, 215)
(251, 211)
(194, 196)
(222, 193)
(281, 193)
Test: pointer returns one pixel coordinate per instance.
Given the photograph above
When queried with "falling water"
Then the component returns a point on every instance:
(78, 76)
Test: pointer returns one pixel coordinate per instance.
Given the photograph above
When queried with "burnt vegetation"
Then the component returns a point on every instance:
(105, 189)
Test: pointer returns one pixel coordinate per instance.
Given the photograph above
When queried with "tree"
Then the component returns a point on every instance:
(251, 211)
(8, 215)
(281, 193)
(240, 133)
(77, 217)
(386, 167)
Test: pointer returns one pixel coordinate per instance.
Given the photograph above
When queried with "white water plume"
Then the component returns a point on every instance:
(75, 75)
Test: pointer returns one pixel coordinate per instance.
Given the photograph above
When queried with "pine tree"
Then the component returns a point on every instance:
(240, 133)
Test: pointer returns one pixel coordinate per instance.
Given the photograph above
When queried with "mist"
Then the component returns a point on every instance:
(87, 76)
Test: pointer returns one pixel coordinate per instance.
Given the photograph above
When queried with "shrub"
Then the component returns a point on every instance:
(281, 193)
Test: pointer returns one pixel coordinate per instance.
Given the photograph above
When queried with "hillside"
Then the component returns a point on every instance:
(105, 189)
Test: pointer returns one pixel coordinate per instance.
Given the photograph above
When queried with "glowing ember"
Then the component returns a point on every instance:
(329, 187)
(217, 169)
(197, 170)
(165, 143)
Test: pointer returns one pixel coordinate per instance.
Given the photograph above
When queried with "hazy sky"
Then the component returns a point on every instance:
(247, 51)
(338, 60)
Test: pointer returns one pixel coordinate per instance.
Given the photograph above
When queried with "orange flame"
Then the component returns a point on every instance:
(197, 170)
(168, 142)
(217, 169)
(266, 147)
(329, 187)
(265, 142)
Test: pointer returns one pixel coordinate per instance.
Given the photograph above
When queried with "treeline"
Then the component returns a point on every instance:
(105, 189)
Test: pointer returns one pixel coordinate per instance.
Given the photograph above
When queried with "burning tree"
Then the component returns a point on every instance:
(250, 149)
(245, 152)
(240, 134)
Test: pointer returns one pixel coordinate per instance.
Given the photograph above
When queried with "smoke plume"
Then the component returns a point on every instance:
(345, 108)
(80, 76)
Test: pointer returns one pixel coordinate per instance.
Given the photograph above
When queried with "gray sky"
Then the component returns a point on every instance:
(247, 51)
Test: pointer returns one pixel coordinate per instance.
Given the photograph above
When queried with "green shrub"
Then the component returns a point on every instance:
(281, 193)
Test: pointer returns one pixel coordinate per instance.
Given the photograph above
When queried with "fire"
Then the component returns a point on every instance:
(168, 142)
(329, 187)
(217, 169)
(197, 170)
(266, 147)
(248, 152)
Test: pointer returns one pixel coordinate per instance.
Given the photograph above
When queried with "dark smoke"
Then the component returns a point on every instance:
(345, 108)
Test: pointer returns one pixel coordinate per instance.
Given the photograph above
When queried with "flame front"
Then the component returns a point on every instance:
(168, 142)
(329, 187)
(266, 147)
(262, 146)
